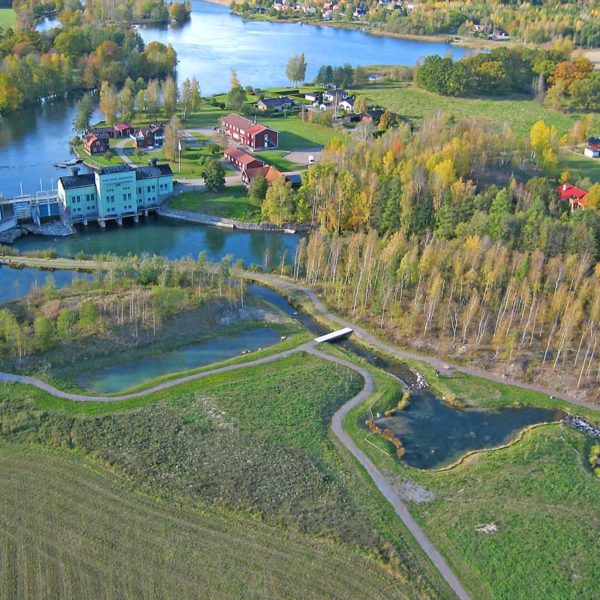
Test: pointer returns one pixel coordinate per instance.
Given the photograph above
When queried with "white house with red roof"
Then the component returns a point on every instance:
(246, 132)
(573, 195)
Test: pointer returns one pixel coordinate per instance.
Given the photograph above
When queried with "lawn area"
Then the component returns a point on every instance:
(278, 160)
(190, 161)
(71, 529)
(232, 203)
(416, 104)
(7, 18)
(253, 442)
(296, 134)
(580, 166)
(538, 493)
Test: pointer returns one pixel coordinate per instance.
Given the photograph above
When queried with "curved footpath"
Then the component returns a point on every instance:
(337, 426)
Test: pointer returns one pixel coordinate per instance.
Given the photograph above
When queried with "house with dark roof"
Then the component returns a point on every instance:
(574, 195)
(152, 136)
(102, 131)
(246, 132)
(334, 96)
(372, 116)
(94, 144)
(275, 104)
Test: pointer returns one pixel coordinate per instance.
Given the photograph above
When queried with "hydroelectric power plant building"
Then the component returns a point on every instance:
(114, 193)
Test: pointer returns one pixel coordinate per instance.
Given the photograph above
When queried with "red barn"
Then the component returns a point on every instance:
(248, 133)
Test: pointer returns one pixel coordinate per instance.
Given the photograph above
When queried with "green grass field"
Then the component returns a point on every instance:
(71, 529)
(417, 105)
(256, 443)
(540, 494)
(232, 203)
(7, 18)
(580, 166)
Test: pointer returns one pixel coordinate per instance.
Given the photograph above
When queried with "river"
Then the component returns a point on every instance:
(211, 43)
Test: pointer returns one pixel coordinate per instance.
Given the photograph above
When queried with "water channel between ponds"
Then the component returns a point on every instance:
(432, 433)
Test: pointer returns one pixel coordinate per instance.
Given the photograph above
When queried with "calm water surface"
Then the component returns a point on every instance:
(208, 46)
(435, 434)
(16, 283)
(122, 377)
(171, 239)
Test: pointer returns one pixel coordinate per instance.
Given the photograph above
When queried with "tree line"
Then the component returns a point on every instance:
(36, 64)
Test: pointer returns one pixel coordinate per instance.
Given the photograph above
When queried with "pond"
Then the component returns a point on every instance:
(16, 283)
(171, 239)
(122, 377)
(435, 434)
(209, 45)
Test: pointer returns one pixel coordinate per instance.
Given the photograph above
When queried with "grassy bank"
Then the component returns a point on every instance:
(232, 203)
(535, 495)
(8, 18)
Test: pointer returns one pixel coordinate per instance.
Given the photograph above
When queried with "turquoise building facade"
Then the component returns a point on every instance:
(114, 193)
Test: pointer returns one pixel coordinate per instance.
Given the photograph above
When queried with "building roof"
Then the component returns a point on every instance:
(153, 171)
(269, 172)
(76, 181)
(567, 191)
(90, 138)
(123, 126)
(101, 130)
(275, 102)
(257, 128)
(115, 169)
(242, 157)
(238, 121)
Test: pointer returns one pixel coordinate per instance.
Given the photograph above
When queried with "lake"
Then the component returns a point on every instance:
(209, 45)
(435, 434)
(119, 378)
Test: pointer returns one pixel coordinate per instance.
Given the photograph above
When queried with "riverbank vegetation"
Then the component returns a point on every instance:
(532, 23)
(137, 308)
(38, 64)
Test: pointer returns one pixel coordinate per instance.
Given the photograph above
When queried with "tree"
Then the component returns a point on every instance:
(296, 69)
(108, 103)
(214, 176)
(153, 96)
(172, 138)
(186, 96)
(126, 104)
(141, 100)
(169, 96)
(544, 141)
(235, 82)
(88, 315)
(236, 98)
(360, 104)
(42, 333)
(258, 189)
(83, 114)
(64, 323)
(195, 97)
(325, 75)
(278, 205)
(500, 211)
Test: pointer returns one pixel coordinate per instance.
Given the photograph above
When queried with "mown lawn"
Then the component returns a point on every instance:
(71, 529)
(232, 203)
(278, 160)
(540, 494)
(295, 134)
(7, 18)
(417, 105)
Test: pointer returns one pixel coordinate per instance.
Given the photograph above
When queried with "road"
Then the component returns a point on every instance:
(376, 475)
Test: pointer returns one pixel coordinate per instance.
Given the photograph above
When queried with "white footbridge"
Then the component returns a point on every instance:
(334, 335)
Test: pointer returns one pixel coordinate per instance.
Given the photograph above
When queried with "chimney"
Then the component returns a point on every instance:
(152, 162)
(74, 171)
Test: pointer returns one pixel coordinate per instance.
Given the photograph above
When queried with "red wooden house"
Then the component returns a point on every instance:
(573, 195)
(246, 132)
(242, 160)
(95, 144)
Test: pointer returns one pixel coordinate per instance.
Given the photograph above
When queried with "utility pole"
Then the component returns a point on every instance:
(179, 149)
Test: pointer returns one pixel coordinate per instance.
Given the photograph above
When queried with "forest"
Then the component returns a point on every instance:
(38, 64)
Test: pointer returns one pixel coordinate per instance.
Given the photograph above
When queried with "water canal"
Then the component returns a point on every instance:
(122, 377)
(209, 45)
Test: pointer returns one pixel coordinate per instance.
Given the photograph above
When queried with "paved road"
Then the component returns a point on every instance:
(337, 426)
